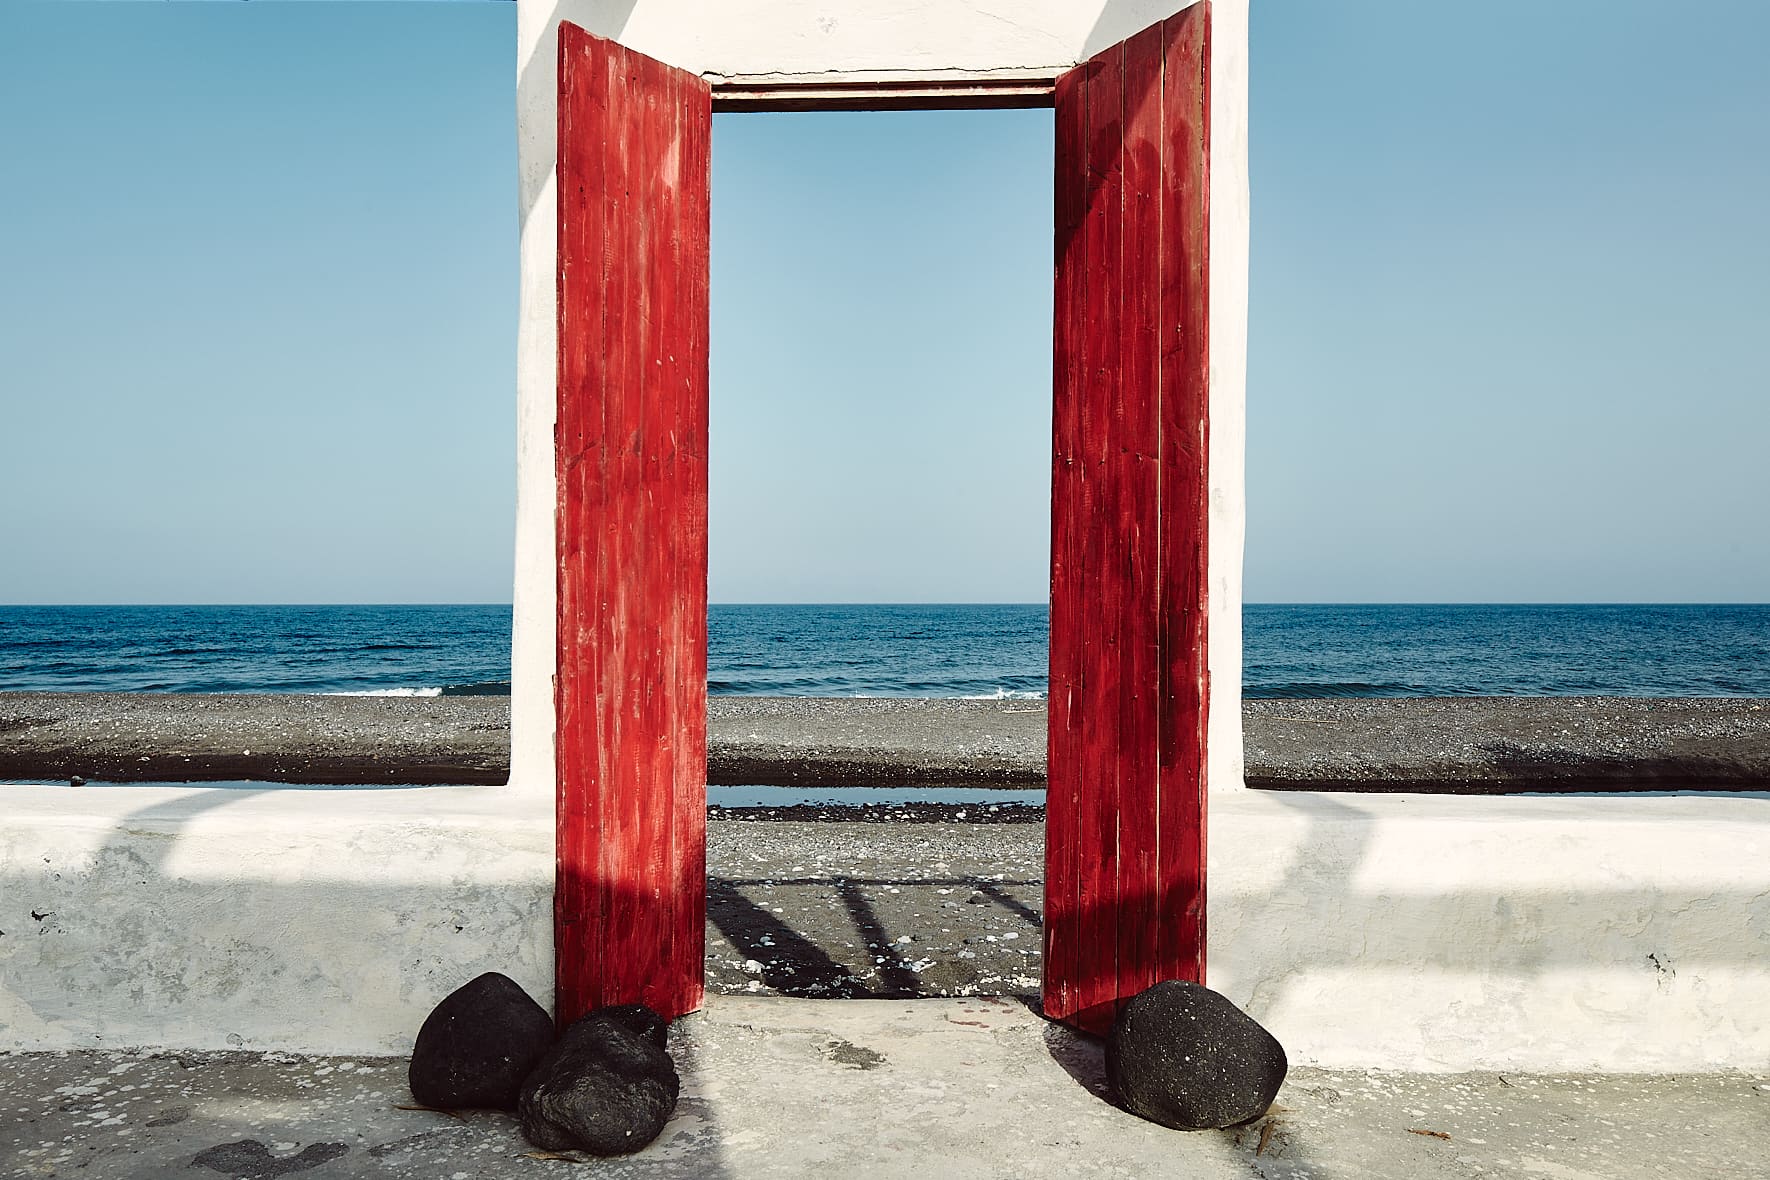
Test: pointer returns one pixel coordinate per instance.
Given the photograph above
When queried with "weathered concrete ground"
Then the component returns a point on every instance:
(882, 1088)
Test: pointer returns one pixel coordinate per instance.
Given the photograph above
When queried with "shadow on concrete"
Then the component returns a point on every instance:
(701, 1146)
(1083, 1056)
(1329, 922)
(537, 85)
(1120, 20)
(1269, 1136)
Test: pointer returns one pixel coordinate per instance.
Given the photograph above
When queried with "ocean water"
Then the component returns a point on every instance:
(1536, 650)
(879, 651)
(379, 650)
(979, 651)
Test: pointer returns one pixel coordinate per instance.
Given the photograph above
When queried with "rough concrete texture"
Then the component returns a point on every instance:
(1481, 745)
(219, 918)
(1550, 933)
(1447, 933)
(929, 1088)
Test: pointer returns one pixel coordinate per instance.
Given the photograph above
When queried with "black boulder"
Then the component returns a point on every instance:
(608, 1087)
(1183, 1056)
(478, 1045)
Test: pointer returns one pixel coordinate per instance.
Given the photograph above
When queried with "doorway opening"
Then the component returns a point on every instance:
(878, 550)
(1124, 847)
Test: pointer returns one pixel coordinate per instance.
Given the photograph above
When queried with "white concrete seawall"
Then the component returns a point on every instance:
(1444, 933)
(214, 918)
(1404, 932)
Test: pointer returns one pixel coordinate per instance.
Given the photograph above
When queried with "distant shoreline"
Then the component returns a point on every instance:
(1472, 745)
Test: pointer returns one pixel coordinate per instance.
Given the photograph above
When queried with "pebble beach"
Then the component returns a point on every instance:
(1478, 745)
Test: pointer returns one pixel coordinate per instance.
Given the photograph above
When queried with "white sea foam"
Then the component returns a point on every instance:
(1001, 694)
(388, 692)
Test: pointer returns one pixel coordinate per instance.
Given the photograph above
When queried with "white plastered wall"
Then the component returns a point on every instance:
(1442, 933)
(214, 918)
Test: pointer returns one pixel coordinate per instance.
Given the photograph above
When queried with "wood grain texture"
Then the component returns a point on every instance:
(1067, 669)
(1125, 810)
(1185, 399)
(1102, 409)
(1137, 464)
(633, 187)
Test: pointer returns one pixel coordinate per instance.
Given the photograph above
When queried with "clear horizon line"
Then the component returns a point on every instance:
(906, 602)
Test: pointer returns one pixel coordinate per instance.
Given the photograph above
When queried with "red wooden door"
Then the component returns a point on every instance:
(1125, 817)
(630, 697)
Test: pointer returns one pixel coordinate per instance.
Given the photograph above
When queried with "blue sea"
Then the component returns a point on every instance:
(977, 651)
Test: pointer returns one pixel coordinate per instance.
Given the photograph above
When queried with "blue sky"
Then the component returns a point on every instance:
(1511, 281)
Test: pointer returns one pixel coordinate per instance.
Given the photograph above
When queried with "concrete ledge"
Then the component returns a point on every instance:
(1435, 933)
(1429, 932)
(329, 921)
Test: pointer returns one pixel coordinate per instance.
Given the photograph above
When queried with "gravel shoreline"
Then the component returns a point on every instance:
(1480, 745)
(834, 909)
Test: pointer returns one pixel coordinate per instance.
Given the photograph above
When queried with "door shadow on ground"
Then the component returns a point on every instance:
(134, 923)
(886, 937)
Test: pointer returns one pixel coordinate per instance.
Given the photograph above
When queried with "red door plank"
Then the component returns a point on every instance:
(1125, 837)
(583, 216)
(1103, 411)
(1185, 400)
(631, 452)
(1139, 517)
(689, 368)
(1063, 764)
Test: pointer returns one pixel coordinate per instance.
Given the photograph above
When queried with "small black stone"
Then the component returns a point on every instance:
(608, 1087)
(1183, 1056)
(75, 780)
(478, 1044)
(638, 1019)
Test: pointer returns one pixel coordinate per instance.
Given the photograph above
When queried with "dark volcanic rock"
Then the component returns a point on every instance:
(607, 1087)
(1183, 1056)
(478, 1045)
(639, 1020)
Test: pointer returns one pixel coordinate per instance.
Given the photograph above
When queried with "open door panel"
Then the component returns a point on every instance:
(633, 179)
(1125, 814)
